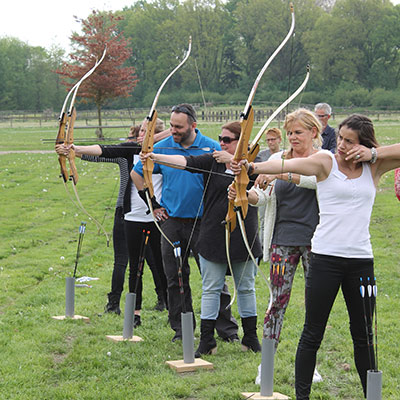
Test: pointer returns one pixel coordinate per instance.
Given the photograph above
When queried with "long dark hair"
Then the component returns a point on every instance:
(364, 128)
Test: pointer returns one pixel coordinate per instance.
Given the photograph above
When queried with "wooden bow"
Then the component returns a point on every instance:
(65, 136)
(237, 209)
(148, 142)
(246, 121)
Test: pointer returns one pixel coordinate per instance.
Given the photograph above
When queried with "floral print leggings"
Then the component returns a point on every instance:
(283, 265)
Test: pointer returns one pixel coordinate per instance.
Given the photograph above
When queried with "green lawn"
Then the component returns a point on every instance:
(41, 358)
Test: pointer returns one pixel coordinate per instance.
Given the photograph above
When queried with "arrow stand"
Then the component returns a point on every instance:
(127, 333)
(189, 362)
(70, 302)
(374, 385)
(267, 374)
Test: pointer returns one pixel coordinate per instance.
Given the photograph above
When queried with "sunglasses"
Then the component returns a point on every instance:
(226, 139)
(183, 109)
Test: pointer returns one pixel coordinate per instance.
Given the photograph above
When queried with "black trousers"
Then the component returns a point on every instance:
(134, 236)
(326, 275)
(181, 230)
(120, 255)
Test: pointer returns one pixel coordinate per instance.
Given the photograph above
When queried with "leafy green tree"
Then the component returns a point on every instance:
(357, 43)
(27, 79)
(111, 79)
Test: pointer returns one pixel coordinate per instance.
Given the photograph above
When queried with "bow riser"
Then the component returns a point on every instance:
(69, 139)
(147, 147)
(59, 140)
(241, 181)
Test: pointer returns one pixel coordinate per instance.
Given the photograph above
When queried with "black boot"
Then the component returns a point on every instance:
(137, 321)
(207, 344)
(250, 339)
(161, 302)
(113, 304)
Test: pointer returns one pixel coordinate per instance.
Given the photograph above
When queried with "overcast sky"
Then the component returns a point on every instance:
(50, 22)
(47, 22)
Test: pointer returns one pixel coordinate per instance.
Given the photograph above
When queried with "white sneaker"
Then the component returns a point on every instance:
(258, 378)
(317, 377)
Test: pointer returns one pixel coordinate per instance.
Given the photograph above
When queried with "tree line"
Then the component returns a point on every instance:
(352, 47)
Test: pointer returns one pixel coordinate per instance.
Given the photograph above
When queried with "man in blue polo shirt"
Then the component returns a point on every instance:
(181, 210)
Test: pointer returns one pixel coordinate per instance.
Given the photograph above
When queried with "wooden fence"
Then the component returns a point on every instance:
(128, 117)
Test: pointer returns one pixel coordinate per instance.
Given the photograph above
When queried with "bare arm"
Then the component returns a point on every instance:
(318, 164)
(138, 180)
(387, 158)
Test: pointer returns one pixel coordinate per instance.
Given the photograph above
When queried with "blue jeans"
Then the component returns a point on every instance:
(213, 277)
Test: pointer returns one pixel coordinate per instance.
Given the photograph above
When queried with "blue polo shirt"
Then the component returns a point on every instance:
(182, 191)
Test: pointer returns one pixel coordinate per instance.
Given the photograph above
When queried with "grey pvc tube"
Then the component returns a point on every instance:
(374, 385)
(130, 304)
(69, 297)
(187, 337)
(267, 367)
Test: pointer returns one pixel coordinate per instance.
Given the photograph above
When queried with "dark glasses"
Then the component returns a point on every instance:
(183, 109)
(226, 139)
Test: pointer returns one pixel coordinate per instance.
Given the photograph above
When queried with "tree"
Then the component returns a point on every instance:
(111, 79)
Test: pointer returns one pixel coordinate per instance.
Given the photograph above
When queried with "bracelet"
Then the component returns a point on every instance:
(289, 177)
(374, 155)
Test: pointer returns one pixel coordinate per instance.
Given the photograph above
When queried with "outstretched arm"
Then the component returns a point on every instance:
(318, 164)
(92, 150)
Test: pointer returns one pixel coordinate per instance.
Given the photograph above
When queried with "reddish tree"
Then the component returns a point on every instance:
(111, 79)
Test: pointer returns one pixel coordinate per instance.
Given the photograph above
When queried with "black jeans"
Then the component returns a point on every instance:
(180, 230)
(326, 275)
(134, 235)
(120, 255)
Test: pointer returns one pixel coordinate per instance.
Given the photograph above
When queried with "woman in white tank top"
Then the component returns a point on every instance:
(341, 248)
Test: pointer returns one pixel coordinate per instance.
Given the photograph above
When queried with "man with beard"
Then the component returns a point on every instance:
(182, 194)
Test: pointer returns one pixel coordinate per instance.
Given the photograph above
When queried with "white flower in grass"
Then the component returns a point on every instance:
(62, 258)
(44, 190)
(50, 269)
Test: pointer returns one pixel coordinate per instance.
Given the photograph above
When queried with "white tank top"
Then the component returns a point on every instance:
(345, 207)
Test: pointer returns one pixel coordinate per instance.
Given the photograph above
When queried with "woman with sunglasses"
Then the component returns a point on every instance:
(341, 247)
(213, 259)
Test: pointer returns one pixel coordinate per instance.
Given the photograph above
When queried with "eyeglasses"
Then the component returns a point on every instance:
(272, 139)
(226, 139)
(183, 109)
(322, 115)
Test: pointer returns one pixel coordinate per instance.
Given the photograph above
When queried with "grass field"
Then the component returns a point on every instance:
(41, 358)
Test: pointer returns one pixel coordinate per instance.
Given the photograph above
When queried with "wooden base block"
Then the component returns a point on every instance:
(121, 338)
(64, 317)
(257, 396)
(181, 366)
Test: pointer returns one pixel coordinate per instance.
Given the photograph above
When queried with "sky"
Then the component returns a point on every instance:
(50, 22)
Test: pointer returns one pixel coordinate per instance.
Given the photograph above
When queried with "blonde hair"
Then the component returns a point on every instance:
(307, 120)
